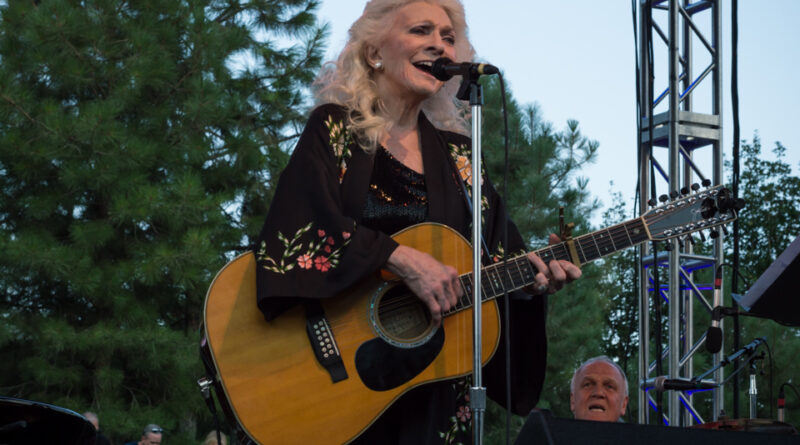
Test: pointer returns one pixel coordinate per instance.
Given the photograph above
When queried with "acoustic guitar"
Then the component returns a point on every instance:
(325, 379)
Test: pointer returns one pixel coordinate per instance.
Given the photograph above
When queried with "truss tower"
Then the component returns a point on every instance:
(680, 145)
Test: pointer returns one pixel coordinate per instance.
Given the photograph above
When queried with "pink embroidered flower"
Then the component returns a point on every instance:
(321, 233)
(304, 261)
(346, 235)
(330, 240)
(322, 264)
(463, 414)
(327, 249)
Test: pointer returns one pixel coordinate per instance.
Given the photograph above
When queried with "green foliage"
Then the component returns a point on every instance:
(139, 144)
(769, 222)
(619, 285)
(771, 217)
(543, 177)
(544, 167)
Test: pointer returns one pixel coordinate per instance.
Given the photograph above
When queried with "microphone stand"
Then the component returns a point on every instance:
(753, 392)
(750, 350)
(473, 91)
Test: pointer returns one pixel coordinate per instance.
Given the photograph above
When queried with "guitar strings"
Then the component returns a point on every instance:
(403, 302)
(589, 247)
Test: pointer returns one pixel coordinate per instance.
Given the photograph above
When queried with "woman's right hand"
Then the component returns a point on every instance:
(436, 284)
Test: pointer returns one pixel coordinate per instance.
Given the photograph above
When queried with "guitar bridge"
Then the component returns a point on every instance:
(324, 345)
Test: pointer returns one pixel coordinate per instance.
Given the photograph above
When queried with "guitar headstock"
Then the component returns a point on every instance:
(693, 212)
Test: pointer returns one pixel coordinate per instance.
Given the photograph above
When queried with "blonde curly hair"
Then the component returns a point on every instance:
(349, 81)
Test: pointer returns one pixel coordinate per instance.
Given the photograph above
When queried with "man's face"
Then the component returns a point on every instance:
(599, 393)
(151, 439)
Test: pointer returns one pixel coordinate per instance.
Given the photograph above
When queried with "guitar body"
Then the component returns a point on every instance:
(280, 393)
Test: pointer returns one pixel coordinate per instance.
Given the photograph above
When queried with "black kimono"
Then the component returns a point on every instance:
(327, 229)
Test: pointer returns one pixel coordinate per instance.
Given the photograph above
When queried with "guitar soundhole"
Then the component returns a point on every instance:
(402, 317)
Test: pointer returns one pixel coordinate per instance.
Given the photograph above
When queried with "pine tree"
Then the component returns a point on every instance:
(620, 287)
(543, 176)
(139, 143)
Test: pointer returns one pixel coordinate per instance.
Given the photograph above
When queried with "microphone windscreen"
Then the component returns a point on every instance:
(714, 339)
(438, 69)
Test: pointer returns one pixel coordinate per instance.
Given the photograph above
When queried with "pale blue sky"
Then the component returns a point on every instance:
(577, 60)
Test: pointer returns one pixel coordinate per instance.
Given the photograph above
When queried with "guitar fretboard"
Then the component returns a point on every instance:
(519, 272)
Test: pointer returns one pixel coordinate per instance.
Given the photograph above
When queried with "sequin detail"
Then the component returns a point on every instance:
(397, 197)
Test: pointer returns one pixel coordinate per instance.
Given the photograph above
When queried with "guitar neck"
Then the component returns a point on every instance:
(519, 273)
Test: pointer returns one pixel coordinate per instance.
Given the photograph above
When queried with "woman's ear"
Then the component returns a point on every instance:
(373, 56)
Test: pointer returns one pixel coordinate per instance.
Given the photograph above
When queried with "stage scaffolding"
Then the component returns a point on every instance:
(686, 148)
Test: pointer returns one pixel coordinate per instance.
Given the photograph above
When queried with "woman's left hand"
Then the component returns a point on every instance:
(552, 277)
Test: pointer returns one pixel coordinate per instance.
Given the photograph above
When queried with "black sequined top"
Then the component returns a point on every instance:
(397, 197)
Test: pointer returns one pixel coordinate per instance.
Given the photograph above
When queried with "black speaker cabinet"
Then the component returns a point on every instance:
(24, 422)
(542, 429)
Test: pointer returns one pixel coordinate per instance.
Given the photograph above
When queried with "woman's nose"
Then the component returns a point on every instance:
(436, 45)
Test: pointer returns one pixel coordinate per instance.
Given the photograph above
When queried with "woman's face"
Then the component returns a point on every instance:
(420, 33)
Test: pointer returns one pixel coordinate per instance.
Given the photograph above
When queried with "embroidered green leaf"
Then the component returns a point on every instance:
(291, 252)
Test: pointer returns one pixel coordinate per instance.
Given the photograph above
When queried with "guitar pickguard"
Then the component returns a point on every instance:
(382, 366)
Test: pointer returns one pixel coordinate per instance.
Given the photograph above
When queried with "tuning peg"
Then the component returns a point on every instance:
(706, 182)
(695, 187)
(684, 190)
(668, 246)
(673, 194)
(714, 234)
(652, 202)
(663, 198)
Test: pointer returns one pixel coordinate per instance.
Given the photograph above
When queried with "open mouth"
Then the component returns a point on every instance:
(597, 408)
(424, 66)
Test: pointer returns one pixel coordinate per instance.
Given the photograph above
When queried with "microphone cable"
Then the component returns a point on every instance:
(506, 306)
(735, 180)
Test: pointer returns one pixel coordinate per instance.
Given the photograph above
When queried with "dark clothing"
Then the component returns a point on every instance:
(397, 197)
(328, 227)
(100, 439)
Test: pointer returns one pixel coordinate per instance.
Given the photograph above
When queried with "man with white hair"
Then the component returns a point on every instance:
(599, 391)
(100, 439)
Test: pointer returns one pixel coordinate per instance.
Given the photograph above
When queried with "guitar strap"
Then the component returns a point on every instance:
(322, 340)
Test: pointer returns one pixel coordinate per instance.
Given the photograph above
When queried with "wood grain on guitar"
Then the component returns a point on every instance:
(278, 391)
(274, 384)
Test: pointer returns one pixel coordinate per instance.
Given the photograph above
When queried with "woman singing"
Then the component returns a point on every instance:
(385, 149)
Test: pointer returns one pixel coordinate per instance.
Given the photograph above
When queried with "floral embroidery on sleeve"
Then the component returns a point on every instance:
(463, 158)
(319, 253)
(340, 142)
(500, 251)
(461, 421)
(462, 155)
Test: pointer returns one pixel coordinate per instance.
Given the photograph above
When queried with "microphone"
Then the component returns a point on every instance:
(662, 383)
(444, 69)
(714, 333)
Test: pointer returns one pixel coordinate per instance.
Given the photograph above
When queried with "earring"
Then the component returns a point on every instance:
(379, 65)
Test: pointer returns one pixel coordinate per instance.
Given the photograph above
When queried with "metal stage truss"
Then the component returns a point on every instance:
(686, 149)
